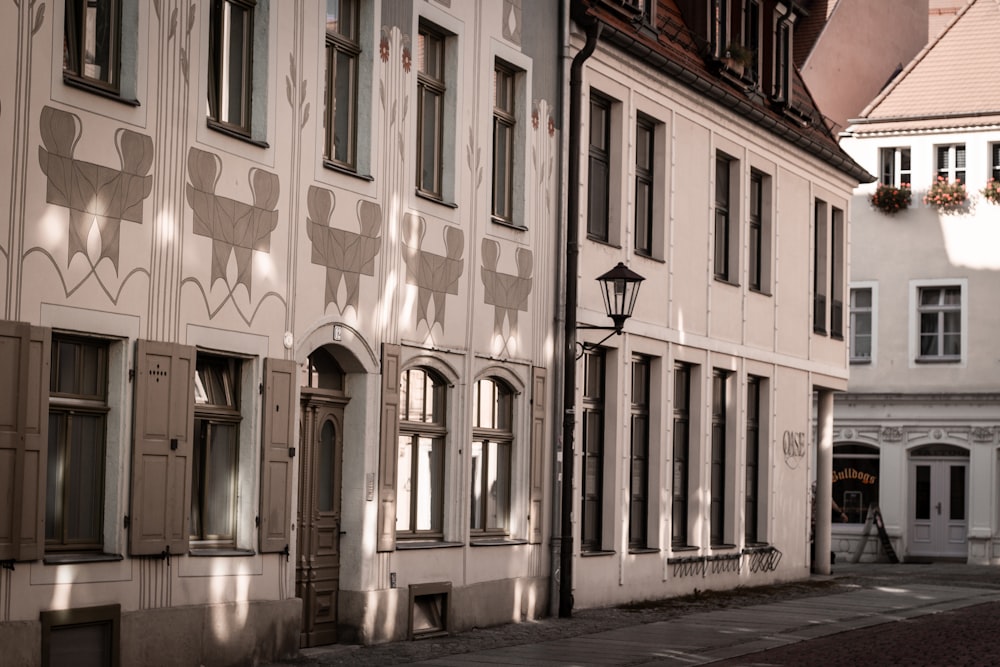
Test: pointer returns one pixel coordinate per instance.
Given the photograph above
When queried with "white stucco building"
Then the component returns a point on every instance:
(916, 434)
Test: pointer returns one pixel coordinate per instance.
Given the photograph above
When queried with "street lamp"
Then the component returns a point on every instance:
(620, 287)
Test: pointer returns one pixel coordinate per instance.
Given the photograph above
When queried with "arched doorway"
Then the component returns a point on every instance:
(317, 571)
(938, 507)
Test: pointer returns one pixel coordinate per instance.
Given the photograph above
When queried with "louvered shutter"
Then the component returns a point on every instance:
(14, 359)
(388, 455)
(277, 451)
(537, 472)
(36, 446)
(162, 448)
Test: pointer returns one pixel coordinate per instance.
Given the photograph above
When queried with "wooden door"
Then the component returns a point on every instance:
(317, 575)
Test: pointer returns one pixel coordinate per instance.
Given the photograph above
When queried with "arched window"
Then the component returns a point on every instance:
(492, 441)
(855, 480)
(420, 484)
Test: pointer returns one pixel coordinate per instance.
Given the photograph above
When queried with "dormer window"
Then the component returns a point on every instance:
(781, 89)
(719, 27)
(751, 37)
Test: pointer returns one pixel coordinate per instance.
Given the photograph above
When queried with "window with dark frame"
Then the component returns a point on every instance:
(820, 249)
(593, 451)
(861, 325)
(343, 50)
(751, 505)
(422, 432)
(756, 230)
(837, 270)
(895, 166)
(92, 43)
(951, 162)
(751, 38)
(639, 470)
(717, 515)
(724, 270)
(995, 161)
(431, 89)
(599, 169)
(681, 455)
(504, 122)
(230, 69)
(78, 409)
(215, 456)
(782, 61)
(940, 313)
(645, 130)
(720, 26)
(492, 445)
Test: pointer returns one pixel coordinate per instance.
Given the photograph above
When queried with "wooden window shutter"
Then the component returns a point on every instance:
(34, 473)
(537, 463)
(14, 359)
(388, 453)
(277, 452)
(162, 448)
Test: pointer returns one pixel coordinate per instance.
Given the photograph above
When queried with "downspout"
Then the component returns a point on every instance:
(593, 31)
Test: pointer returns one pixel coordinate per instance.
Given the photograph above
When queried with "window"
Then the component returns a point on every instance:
(756, 230)
(751, 37)
(828, 270)
(940, 314)
(751, 506)
(342, 55)
(78, 409)
(726, 240)
(951, 162)
(720, 26)
(92, 43)
(492, 442)
(230, 71)
(215, 457)
(599, 169)
(503, 143)
(894, 164)
(681, 455)
(81, 636)
(855, 480)
(420, 499)
(720, 444)
(593, 451)
(995, 161)
(861, 325)
(639, 475)
(644, 147)
(431, 90)
(781, 88)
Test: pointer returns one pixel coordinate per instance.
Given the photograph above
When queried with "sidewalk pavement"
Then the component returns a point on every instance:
(867, 595)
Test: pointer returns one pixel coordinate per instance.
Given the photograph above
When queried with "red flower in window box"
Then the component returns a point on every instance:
(890, 199)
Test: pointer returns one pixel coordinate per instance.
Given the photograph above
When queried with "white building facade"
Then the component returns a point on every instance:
(277, 317)
(719, 184)
(916, 434)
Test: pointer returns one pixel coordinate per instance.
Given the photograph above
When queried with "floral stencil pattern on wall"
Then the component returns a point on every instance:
(507, 293)
(435, 276)
(235, 227)
(346, 255)
(94, 194)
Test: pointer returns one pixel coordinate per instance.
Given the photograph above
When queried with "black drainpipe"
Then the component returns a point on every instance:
(593, 30)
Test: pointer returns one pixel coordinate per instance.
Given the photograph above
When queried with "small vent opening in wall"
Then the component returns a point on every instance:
(429, 607)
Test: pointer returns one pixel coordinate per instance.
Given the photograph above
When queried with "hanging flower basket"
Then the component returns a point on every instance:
(992, 191)
(890, 199)
(946, 196)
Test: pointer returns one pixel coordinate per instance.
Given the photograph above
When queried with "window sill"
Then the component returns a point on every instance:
(427, 544)
(70, 558)
(726, 281)
(201, 552)
(598, 239)
(235, 134)
(495, 542)
(762, 292)
(683, 547)
(347, 171)
(756, 547)
(643, 550)
(938, 360)
(588, 554)
(722, 547)
(819, 332)
(434, 198)
(646, 255)
(509, 224)
(83, 84)
(861, 362)
(837, 336)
